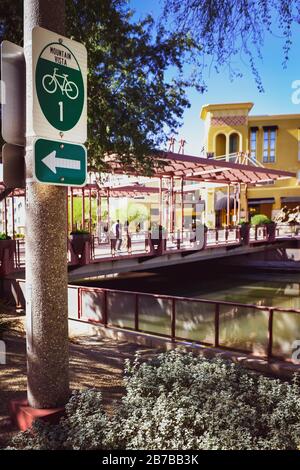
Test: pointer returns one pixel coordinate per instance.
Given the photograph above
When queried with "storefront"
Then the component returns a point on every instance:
(261, 206)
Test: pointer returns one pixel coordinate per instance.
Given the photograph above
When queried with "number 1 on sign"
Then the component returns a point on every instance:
(61, 111)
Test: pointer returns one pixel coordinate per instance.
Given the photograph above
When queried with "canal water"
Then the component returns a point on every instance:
(280, 289)
(242, 328)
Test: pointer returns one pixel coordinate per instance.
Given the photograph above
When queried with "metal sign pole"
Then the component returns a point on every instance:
(46, 256)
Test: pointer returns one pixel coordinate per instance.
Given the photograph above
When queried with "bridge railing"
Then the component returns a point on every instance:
(130, 243)
(145, 243)
(258, 233)
(223, 236)
(287, 230)
(258, 330)
(20, 253)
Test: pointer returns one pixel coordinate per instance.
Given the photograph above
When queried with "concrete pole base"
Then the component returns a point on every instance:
(23, 415)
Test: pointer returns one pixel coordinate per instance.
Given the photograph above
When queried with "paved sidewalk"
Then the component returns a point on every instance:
(94, 363)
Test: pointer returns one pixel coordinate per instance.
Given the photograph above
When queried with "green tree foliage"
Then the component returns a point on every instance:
(229, 28)
(136, 85)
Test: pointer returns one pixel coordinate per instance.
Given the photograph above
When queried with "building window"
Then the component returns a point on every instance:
(253, 142)
(220, 145)
(269, 150)
(234, 142)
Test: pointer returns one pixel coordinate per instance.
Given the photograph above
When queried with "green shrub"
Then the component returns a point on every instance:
(80, 232)
(260, 219)
(83, 427)
(243, 222)
(178, 401)
(3, 236)
(20, 235)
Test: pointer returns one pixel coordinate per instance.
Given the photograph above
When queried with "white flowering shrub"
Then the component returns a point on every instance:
(178, 401)
(83, 427)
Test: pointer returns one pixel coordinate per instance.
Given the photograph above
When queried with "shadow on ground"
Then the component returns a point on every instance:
(94, 363)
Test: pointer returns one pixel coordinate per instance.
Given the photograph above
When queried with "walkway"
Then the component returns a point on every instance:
(94, 363)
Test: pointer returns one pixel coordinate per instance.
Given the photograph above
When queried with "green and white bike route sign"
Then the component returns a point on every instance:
(59, 87)
(59, 163)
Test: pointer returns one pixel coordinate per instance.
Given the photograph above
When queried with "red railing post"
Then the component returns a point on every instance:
(178, 240)
(136, 312)
(173, 320)
(270, 333)
(79, 303)
(18, 262)
(171, 302)
(105, 315)
(217, 324)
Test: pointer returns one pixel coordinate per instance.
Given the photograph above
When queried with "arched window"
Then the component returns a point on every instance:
(234, 143)
(220, 145)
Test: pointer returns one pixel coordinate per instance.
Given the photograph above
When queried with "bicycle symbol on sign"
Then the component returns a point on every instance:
(51, 82)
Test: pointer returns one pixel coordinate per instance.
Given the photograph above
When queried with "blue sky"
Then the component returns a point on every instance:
(277, 83)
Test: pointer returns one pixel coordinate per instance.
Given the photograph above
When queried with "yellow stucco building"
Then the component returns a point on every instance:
(272, 141)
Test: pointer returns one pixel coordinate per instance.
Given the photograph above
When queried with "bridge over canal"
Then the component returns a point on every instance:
(169, 239)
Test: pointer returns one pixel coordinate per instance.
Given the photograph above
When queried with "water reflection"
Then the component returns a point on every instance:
(240, 327)
(271, 289)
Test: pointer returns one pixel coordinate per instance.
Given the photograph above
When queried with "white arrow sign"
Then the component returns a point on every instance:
(52, 162)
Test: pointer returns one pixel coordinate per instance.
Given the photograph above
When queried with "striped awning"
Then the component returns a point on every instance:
(290, 199)
(261, 200)
(222, 203)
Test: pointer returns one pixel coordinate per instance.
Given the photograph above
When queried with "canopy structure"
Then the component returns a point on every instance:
(117, 191)
(7, 191)
(168, 169)
(204, 169)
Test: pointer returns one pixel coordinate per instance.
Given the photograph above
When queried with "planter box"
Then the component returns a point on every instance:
(245, 233)
(271, 232)
(7, 256)
(78, 241)
(10, 244)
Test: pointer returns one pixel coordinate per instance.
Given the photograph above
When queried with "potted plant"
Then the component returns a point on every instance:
(7, 253)
(261, 220)
(158, 237)
(244, 231)
(78, 239)
(4, 236)
(293, 219)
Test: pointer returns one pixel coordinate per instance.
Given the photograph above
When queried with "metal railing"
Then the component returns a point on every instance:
(193, 320)
(143, 244)
(243, 158)
(287, 230)
(20, 253)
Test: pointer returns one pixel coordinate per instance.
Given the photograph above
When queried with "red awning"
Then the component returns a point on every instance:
(117, 191)
(203, 169)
